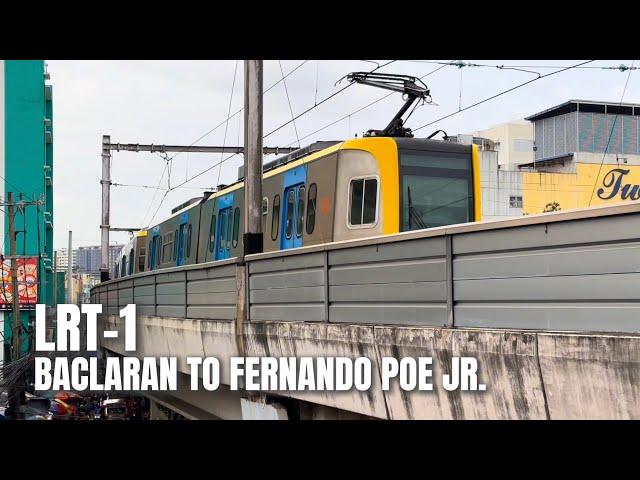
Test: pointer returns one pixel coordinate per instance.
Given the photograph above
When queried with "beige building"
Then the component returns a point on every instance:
(513, 141)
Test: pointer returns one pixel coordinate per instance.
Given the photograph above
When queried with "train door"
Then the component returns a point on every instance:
(224, 207)
(293, 209)
(182, 239)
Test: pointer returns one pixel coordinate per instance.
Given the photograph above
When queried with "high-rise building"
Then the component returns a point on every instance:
(26, 170)
(62, 259)
(88, 259)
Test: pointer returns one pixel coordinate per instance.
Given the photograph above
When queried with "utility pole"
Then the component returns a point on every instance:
(70, 270)
(104, 226)
(15, 393)
(253, 240)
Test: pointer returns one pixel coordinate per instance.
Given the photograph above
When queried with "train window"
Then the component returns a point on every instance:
(142, 256)
(189, 241)
(300, 211)
(265, 206)
(311, 208)
(131, 261)
(123, 266)
(167, 247)
(436, 188)
(236, 226)
(288, 229)
(212, 234)
(229, 226)
(275, 218)
(363, 201)
(175, 245)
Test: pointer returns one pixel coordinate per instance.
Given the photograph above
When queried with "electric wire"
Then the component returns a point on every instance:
(286, 91)
(501, 93)
(624, 90)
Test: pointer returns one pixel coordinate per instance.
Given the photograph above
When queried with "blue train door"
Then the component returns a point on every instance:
(224, 206)
(293, 209)
(182, 239)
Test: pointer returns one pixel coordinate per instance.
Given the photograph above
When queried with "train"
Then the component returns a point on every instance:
(325, 192)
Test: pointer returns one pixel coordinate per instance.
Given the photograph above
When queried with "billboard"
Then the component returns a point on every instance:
(27, 270)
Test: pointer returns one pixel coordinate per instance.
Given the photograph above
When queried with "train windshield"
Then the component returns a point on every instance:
(436, 188)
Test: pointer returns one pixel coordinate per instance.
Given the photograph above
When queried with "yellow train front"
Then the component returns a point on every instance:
(329, 191)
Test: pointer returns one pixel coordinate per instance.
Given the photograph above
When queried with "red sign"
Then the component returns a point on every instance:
(27, 269)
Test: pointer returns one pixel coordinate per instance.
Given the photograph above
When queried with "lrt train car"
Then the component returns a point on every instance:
(329, 191)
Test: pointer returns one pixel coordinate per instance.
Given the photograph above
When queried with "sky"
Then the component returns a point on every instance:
(177, 102)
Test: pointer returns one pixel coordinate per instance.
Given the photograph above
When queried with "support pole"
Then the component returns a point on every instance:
(104, 225)
(15, 393)
(253, 242)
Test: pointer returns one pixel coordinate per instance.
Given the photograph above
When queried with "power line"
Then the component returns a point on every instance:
(241, 109)
(502, 93)
(362, 108)
(286, 91)
(226, 128)
(462, 64)
(281, 126)
(321, 102)
(615, 119)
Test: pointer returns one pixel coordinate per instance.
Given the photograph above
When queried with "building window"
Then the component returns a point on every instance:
(515, 201)
(363, 201)
(236, 226)
(311, 208)
(275, 218)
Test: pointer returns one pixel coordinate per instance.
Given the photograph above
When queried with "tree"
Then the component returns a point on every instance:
(552, 207)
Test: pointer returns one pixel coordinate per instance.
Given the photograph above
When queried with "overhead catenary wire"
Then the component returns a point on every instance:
(624, 90)
(462, 64)
(286, 91)
(361, 109)
(504, 92)
(209, 132)
(278, 128)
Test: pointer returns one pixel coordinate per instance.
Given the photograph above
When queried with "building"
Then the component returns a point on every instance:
(62, 259)
(500, 187)
(26, 170)
(586, 153)
(88, 259)
(513, 142)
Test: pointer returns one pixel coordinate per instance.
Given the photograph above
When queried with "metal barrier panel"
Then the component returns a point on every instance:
(571, 271)
(211, 293)
(144, 295)
(170, 294)
(582, 275)
(289, 288)
(400, 283)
